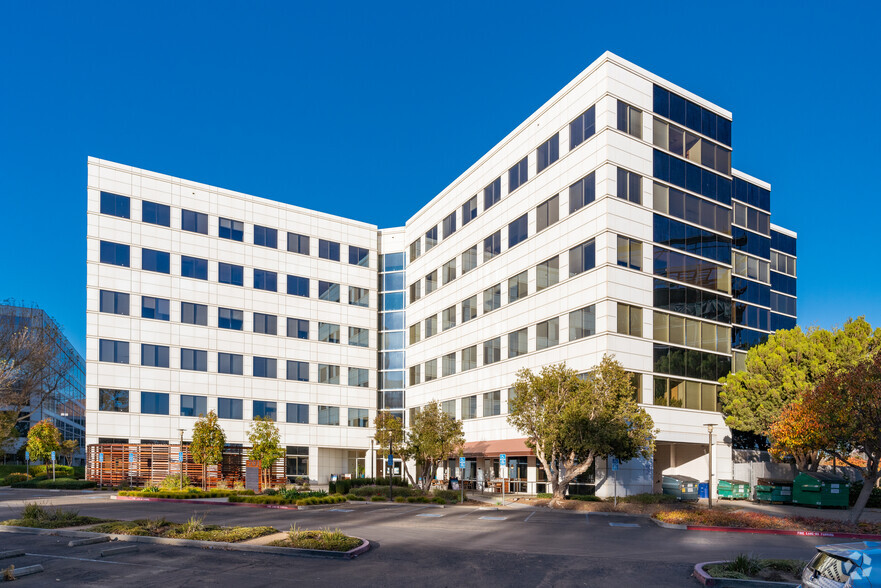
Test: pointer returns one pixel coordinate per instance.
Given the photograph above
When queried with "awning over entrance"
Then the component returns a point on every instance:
(510, 447)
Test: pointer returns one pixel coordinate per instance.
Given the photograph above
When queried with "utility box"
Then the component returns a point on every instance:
(682, 487)
(821, 489)
(768, 490)
(733, 489)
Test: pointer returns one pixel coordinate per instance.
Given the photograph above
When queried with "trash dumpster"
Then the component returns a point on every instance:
(703, 490)
(820, 489)
(682, 487)
(768, 490)
(733, 489)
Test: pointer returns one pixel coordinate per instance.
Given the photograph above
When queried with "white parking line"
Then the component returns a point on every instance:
(494, 518)
(623, 525)
(339, 510)
(426, 514)
(529, 517)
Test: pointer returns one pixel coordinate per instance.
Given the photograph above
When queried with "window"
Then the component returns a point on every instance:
(115, 205)
(492, 246)
(329, 415)
(547, 213)
(391, 321)
(110, 400)
(780, 262)
(582, 323)
(629, 320)
(469, 260)
(328, 291)
(113, 302)
(415, 249)
(193, 314)
(229, 408)
(582, 128)
(154, 403)
(755, 269)
(298, 328)
(492, 298)
(298, 243)
(430, 238)
(328, 332)
(469, 407)
(415, 375)
(231, 229)
(358, 377)
(678, 330)
(193, 406)
(518, 175)
(469, 309)
(298, 286)
(449, 225)
(431, 282)
(518, 287)
(154, 355)
(582, 258)
(230, 274)
(629, 186)
(265, 237)
(156, 214)
(265, 323)
(469, 358)
(548, 152)
(196, 222)
(676, 266)
(194, 359)
(492, 193)
(358, 337)
(113, 351)
(415, 291)
(230, 318)
(328, 374)
(448, 318)
(298, 413)
(517, 343)
(328, 250)
(518, 231)
(359, 417)
(431, 326)
(155, 261)
(449, 407)
(193, 267)
(415, 333)
(430, 370)
(629, 253)
(230, 363)
(358, 256)
(684, 144)
(469, 210)
(298, 371)
(629, 119)
(492, 351)
(582, 192)
(492, 403)
(547, 273)
(266, 410)
(752, 218)
(114, 253)
(265, 280)
(547, 334)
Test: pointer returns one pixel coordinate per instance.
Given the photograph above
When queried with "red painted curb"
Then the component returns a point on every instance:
(783, 532)
(197, 501)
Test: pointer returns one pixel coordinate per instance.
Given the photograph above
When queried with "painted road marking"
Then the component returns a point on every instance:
(339, 510)
(426, 514)
(495, 518)
(623, 525)
(529, 517)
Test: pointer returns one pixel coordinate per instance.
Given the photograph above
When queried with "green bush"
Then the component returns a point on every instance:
(544, 495)
(378, 499)
(58, 484)
(15, 477)
(174, 482)
(439, 500)
(61, 471)
(855, 489)
(321, 500)
(400, 499)
(585, 497)
(373, 490)
(450, 495)
(296, 494)
(153, 492)
(352, 497)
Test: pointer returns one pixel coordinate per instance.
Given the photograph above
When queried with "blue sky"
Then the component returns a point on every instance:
(368, 110)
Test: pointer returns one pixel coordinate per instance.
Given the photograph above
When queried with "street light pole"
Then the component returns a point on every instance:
(710, 454)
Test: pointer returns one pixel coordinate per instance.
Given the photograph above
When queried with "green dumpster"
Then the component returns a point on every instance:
(733, 489)
(820, 489)
(682, 487)
(768, 490)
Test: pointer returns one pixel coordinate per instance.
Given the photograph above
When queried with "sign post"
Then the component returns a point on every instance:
(391, 464)
(101, 470)
(53, 465)
(503, 466)
(614, 463)
(131, 464)
(27, 458)
(462, 481)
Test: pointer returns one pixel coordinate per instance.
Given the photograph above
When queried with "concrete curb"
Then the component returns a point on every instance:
(215, 502)
(707, 580)
(219, 545)
(767, 531)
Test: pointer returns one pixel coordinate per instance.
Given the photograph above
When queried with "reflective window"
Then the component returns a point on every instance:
(517, 343)
(194, 314)
(547, 213)
(193, 267)
(629, 119)
(328, 291)
(359, 417)
(230, 274)
(691, 301)
(431, 326)
(391, 321)
(230, 318)
(155, 308)
(391, 281)
(265, 280)
(193, 406)
(469, 210)
(582, 128)
(691, 177)
(231, 229)
(415, 291)
(449, 364)
(690, 363)
(469, 309)
(518, 175)
(448, 272)
(264, 409)
(113, 351)
(469, 358)
(518, 231)
(360, 296)
(448, 318)
(230, 363)
(155, 261)
(265, 237)
(449, 407)
(430, 370)
(194, 359)
(692, 209)
(298, 243)
(115, 205)
(492, 193)
(154, 355)
(110, 400)
(430, 238)
(492, 246)
(415, 249)
(298, 413)
(359, 256)
(582, 258)
(547, 273)
(392, 262)
(358, 336)
(629, 186)
(582, 323)
(518, 287)
(582, 193)
(298, 371)
(298, 328)
(229, 408)
(414, 333)
(154, 403)
(414, 375)
(431, 282)
(196, 222)
(298, 286)
(492, 351)
(113, 302)
(629, 253)
(328, 374)
(548, 152)
(492, 298)
(156, 214)
(684, 268)
(328, 250)
(547, 334)
(329, 415)
(449, 225)
(265, 323)
(492, 403)
(629, 320)
(469, 260)
(328, 332)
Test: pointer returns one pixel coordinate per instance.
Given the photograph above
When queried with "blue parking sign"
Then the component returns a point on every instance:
(27, 455)
(53, 456)
(391, 460)
(503, 460)
(462, 462)
(180, 456)
(100, 458)
(131, 458)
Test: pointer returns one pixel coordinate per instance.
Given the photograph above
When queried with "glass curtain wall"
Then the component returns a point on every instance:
(390, 392)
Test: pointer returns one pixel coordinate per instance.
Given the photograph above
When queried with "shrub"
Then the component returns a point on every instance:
(270, 492)
(16, 477)
(648, 499)
(61, 471)
(745, 564)
(323, 539)
(58, 484)
(150, 489)
(400, 499)
(378, 499)
(439, 500)
(174, 482)
(419, 499)
(585, 497)
(450, 495)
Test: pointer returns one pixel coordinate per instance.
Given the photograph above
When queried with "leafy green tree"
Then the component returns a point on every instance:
(433, 437)
(68, 449)
(208, 442)
(43, 439)
(569, 421)
(265, 446)
(390, 429)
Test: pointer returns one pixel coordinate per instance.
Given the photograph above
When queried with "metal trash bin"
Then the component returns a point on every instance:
(733, 489)
(768, 490)
(821, 489)
(682, 487)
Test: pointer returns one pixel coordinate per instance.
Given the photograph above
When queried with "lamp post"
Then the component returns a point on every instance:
(181, 476)
(709, 427)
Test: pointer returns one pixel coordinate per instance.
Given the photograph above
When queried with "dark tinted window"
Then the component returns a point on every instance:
(157, 214)
(548, 152)
(582, 128)
(154, 355)
(194, 314)
(265, 410)
(358, 256)
(231, 229)
(265, 236)
(298, 243)
(298, 328)
(155, 261)
(328, 250)
(229, 363)
(492, 193)
(113, 351)
(114, 302)
(113, 400)
(230, 318)
(115, 205)
(193, 267)
(264, 367)
(196, 222)
(265, 323)
(229, 408)
(298, 371)
(114, 253)
(193, 406)
(582, 193)
(298, 286)
(194, 359)
(155, 308)
(265, 280)
(298, 413)
(518, 231)
(518, 175)
(154, 403)
(230, 274)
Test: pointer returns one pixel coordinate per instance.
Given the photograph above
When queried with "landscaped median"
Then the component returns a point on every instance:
(752, 522)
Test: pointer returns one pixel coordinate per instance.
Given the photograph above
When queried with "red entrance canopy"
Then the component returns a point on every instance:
(510, 447)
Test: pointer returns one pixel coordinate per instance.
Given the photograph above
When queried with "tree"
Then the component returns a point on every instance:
(390, 429)
(43, 439)
(848, 409)
(797, 432)
(34, 363)
(208, 442)
(68, 449)
(569, 421)
(433, 437)
(265, 446)
(781, 370)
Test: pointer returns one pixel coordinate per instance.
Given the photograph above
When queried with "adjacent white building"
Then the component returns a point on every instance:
(610, 221)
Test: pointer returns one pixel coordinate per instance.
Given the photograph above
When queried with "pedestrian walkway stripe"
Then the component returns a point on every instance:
(495, 518)
(623, 525)
(426, 514)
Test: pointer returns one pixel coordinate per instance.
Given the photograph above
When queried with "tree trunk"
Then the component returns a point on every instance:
(868, 484)
(559, 497)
